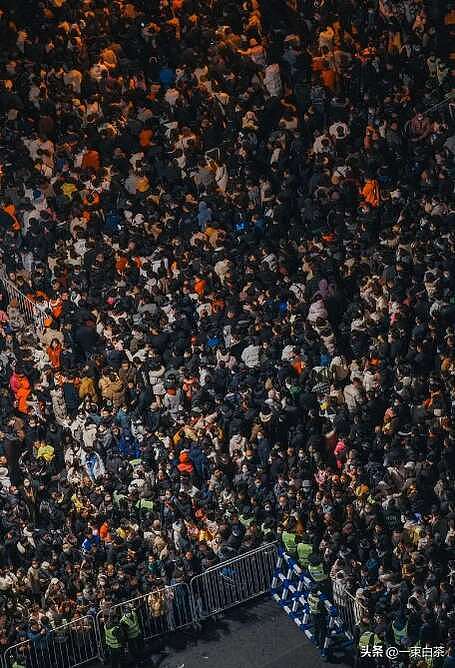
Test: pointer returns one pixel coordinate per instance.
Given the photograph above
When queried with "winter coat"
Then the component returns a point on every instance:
(59, 405)
(250, 356)
(49, 335)
(20, 387)
(200, 461)
(185, 465)
(113, 390)
(155, 377)
(71, 397)
(87, 389)
(272, 80)
(54, 355)
(317, 310)
(127, 375)
(129, 446)
(93, 464)
(370, 193)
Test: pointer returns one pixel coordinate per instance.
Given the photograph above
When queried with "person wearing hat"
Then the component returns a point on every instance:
(304, 551)
(289, 537)
(366, 641)
(116, 640)
(318, 574)
(296, 311)
(398, 632)
(318, 615)
(135, 640)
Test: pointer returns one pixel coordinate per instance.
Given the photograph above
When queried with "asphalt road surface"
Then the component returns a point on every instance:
(258, 635)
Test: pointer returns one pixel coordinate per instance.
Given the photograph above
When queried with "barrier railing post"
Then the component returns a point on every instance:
(234, 581)
(32, 313)
(291, 588)
(66, 646)
(161, 611)
(349, 608)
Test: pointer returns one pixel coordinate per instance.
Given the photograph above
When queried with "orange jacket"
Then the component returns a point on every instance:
(104, 531)
(121, 264)
(199, 286)
(10, 209)
(91, 160)
(185, 465)
(297, 365)
(54, 356)
(56, 308)
(22, 391)
(145, 137)
(328, 77)
(370, 193)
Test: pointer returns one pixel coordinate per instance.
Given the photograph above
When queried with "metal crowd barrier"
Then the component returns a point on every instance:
(159, 612)
(234, 581)
(350, 610)
(67, 646)
(32, 313)
(162, 611)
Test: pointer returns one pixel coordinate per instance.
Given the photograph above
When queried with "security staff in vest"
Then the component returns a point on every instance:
(399, 636)
(318, 574)
(318, 616)
(19, 663)
(304, 551)
(363, 625)
(289, 538)
(364, 656)
(115, 638)
(131, 625)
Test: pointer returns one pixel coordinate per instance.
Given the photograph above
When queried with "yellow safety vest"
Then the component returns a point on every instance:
(133, 630)
(313, 604)
(304, 550)
(317, 572)
(289, 542)
(400, 635)
(111, 639)
(368, 639)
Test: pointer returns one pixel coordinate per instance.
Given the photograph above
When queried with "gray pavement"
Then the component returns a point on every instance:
(259, 635)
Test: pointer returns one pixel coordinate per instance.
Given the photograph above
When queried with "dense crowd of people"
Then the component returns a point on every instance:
(237, 219)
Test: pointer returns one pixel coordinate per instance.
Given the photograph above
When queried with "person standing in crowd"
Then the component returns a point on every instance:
(226, 306)
(131, 625)
(116, 641)
(318, 616)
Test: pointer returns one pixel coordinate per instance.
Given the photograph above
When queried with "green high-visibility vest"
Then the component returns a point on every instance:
(366, 639)
(117, 498)
(16, 664)
(400, 635)
(289, 542)
(111, 638)
(135, 462)
(317, 572)
(145, 503)
(245, 521)
(304, 550)
(313, 604)
(133, 630)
